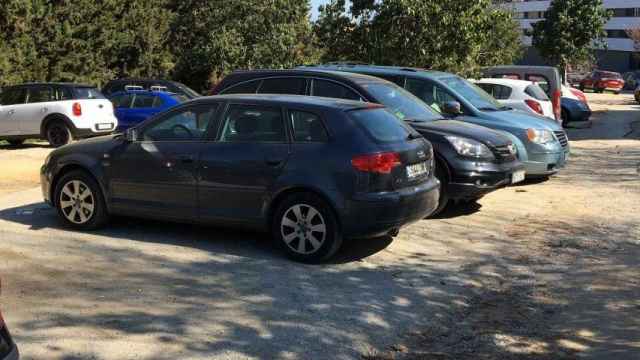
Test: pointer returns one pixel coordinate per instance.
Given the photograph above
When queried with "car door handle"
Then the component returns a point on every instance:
(11, 112)
(272, 161)
(186, 159)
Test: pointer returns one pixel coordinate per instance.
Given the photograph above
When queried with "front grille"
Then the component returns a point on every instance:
(562, 137)
(505, 152)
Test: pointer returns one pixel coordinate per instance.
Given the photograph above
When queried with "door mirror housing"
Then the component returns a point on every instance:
(452, 108)
(131, 134)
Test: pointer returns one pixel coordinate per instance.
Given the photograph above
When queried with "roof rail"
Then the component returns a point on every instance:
(347, 63)
(158, 88)
(133, 88)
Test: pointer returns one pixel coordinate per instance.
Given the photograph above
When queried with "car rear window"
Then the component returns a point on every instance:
(87, 93)
(536, 92)
(402, 103)
(179, 98)
(382, 125)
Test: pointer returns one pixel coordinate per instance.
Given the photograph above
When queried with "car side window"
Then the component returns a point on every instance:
(285, 85)
(188, 124)
(142, 101)
(157, 102)
(122, 101)
(489, 88)
(499, 92)
(542, 81)
(331, 89)
(307, 127)
(63, 93)
(432, 94)
(13, 96)
(39, 94)
(249, 87)
(249, 123)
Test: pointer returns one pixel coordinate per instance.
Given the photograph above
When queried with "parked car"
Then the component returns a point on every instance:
(311, 170)
(575, 107)
(547, 77)
(471, 161)
(519, 94)
(175, 87)
(631, 80)
(134, 106)
(599, 81)
(542, 145)
(8, 348)
(57, 112)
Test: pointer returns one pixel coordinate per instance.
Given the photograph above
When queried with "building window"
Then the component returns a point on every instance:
(626, 12)
(617, 34)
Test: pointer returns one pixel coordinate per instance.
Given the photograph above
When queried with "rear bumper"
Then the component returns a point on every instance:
(369, 215)
(469, 185)
(579, 115)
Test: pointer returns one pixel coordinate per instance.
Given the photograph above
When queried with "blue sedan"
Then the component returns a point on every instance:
(135, 106)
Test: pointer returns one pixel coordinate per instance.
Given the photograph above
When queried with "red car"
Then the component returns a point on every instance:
(600, 81)
(8, 349)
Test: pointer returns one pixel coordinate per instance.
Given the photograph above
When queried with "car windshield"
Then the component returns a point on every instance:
(472, 93)
(83, 93)
(192, 94)
(401, 103)
(382, 125)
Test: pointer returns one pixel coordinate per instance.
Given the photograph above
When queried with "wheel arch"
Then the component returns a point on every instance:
(56, 117)
(73, 166)
(272, 206)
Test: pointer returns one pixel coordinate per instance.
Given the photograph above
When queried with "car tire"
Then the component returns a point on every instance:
(581, 88)
(58, 134)
(15, 143)
(79, 201)
(444, 200)
(565, 118)
(293, 226)
(637, 96)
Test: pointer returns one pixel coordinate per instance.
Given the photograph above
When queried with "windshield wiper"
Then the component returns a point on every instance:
(486, 108)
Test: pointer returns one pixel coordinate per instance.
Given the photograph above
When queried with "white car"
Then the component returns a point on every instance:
(519, 94)
(57, 112)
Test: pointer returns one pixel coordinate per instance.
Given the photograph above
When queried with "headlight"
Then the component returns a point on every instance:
(468, 147)
(540, 136)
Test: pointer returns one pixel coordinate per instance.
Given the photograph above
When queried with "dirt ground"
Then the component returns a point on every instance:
(545, 270)
(20, 167)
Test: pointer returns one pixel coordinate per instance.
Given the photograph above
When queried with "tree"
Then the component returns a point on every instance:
(570, 32)
(213, 38)
(451, 35)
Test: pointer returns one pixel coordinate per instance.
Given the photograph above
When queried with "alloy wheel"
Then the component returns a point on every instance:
(77, 202)
(303, 229)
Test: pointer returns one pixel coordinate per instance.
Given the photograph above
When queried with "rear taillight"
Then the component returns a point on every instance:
(77, 109)
(534, 105)
(555, 100)
(381, 163)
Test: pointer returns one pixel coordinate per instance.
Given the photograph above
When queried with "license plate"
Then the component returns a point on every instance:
(105, 126)
(416, 170)
(517, 176)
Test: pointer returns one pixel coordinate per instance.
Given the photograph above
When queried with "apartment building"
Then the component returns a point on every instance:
(620, 54)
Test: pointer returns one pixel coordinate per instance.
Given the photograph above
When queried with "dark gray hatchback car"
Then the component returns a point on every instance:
(310, 170)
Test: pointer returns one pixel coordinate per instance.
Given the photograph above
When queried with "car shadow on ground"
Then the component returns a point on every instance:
(6, 146)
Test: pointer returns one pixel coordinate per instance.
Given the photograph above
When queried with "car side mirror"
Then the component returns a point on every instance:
(131, 134)
(452, 108)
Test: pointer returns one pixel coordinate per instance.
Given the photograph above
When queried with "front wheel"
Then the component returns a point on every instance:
(79, 201)
(59, 134)
(305, 227)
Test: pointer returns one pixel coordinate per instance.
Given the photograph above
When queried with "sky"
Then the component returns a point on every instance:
(314, 7)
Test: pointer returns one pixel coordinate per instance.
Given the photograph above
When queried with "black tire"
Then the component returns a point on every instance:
(98, 217)
(15, 142)
(617, 92)
(581, 88)
(444, 200)
(58, 134)
(637, 96)
(565, 118)
(332, 237)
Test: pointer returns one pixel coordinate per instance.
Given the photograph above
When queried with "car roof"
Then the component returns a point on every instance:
(68, 84)
(141, 79)
(144, 92)
(504, 81)
(317, 101)
(338, 75)
(384, 70)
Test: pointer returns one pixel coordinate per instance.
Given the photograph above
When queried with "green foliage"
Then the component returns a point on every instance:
(450, 35)
(215, 38)
(571, 31)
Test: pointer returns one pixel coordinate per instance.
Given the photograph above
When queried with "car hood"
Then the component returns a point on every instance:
(94, 145)
(523, 120)
(463, 129)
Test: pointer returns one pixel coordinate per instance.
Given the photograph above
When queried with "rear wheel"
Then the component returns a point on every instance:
(79, 201)
(58, 134)
(305, 227)
(444, 200)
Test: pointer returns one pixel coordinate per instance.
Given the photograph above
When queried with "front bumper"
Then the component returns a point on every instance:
(545, 164)
(45, 184)
(474, 184)
(375, 214)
